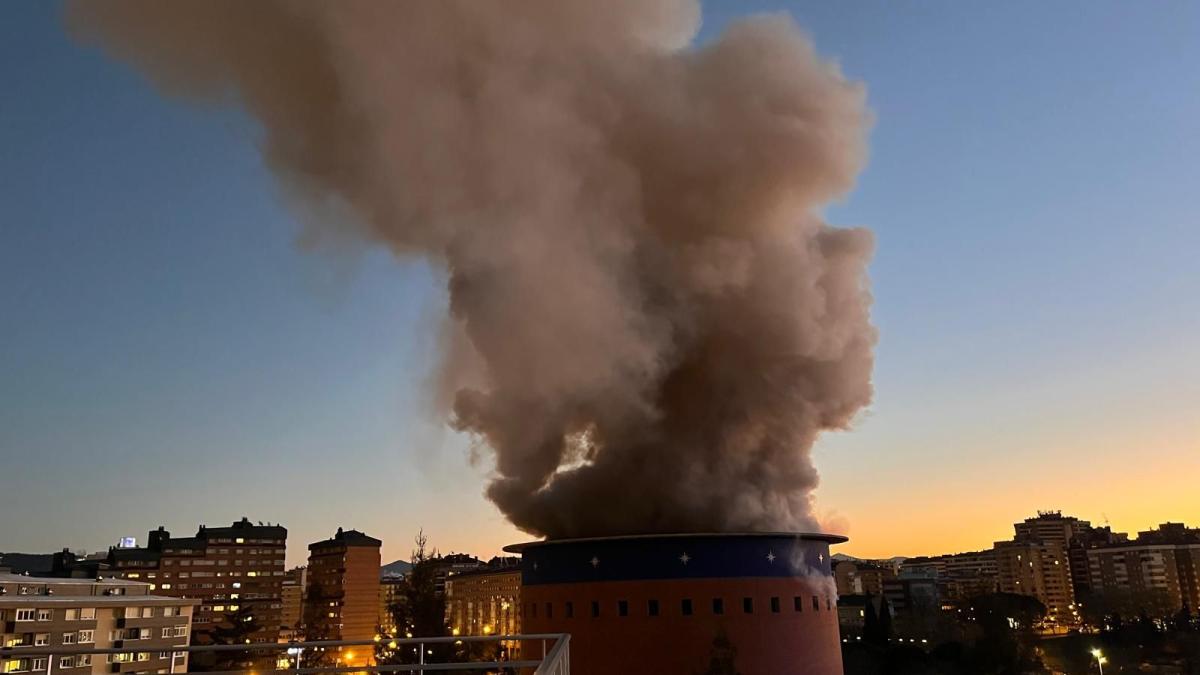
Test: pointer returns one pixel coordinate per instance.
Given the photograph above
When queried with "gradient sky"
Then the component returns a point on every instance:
(169, 353)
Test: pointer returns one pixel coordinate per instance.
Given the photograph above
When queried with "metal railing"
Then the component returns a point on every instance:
(553, 657)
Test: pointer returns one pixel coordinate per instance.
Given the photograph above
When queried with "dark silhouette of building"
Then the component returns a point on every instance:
(228, 569)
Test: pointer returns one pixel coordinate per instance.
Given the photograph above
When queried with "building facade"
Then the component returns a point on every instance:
(228, 569)
(755, 604)
(391, 594)
(1039, 570)
(292, 599)
(484, 602)
(47, 612)
(859, 577)
(1155, 573)
(342, 593)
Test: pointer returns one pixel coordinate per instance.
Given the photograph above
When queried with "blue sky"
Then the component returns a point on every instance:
(170, 355)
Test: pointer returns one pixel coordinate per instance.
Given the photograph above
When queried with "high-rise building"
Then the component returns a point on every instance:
(292, 598)
(1040, 570)
(342, 598)
(1051, 527)
(1155, 573)
(228, 569)
(55, 612)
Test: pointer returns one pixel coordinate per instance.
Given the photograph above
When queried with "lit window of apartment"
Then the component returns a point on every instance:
(87, 636)
(41, 639)
(87, 613)
(72, 614)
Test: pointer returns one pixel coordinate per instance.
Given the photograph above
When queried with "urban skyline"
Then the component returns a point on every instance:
(287, 364)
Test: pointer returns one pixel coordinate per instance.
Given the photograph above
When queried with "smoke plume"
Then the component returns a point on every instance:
(649, 322)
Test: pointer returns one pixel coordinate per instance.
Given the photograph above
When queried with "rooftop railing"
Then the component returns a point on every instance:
(551, 656)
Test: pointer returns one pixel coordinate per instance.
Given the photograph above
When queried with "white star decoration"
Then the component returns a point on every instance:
(821, 557)
(684, 558)
(595, 561)
(770, 556)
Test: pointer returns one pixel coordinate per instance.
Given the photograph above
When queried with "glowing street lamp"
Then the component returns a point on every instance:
(1100, 660)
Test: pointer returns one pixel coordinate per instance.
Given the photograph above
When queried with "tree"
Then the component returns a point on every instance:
(1183, 621)
(1008, 641)
(870, 622)
(235, 628)
(885, 620)
(422, 610)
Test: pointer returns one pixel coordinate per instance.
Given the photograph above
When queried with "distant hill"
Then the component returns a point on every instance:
(894, 560)
(395, 569)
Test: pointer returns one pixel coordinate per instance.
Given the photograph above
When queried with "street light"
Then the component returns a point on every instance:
(1100, 660)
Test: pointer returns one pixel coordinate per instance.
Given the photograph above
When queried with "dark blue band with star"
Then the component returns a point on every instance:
(699, 556)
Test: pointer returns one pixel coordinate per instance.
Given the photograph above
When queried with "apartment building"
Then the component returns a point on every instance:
(391, 593)
(859, 577)
(1040, 570)
(228, 569)
(342, 598)
(292, 597)
(485, 601)
(1155, 573)
(50, 612)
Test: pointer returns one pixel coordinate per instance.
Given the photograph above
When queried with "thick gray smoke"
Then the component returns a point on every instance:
(649, 322)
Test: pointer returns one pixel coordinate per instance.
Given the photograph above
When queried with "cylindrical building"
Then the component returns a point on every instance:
(686, 604)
